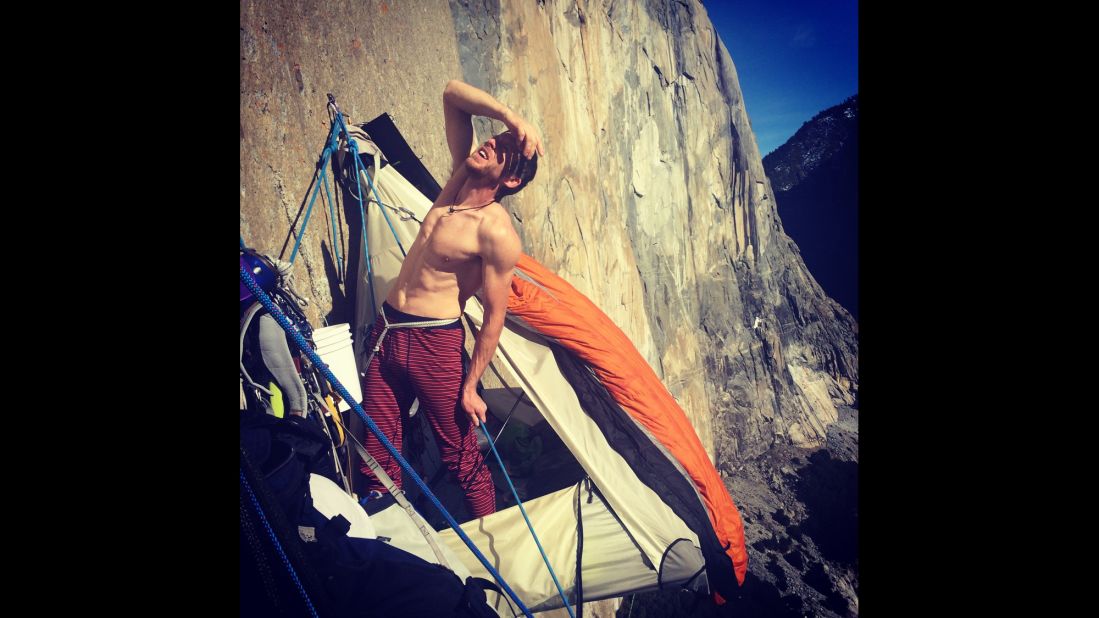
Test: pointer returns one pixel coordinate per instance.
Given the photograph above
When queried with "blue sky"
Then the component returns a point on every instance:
(794, 58)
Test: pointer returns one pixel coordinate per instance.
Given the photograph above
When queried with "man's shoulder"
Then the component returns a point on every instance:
(497, 230)
(497, 220)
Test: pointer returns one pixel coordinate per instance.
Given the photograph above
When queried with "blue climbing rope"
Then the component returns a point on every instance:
(275, 539)
(333, 146)
(353, 149)
(306, 349)
(530, 526)
(321, 177)
(355, 154)
(335, 234)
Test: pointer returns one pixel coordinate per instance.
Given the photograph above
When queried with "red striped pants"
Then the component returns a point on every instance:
(424, 363)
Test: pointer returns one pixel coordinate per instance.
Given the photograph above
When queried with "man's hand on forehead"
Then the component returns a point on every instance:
(526, 136)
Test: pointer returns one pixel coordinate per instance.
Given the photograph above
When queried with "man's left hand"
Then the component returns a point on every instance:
(474, 406)
(530, 143)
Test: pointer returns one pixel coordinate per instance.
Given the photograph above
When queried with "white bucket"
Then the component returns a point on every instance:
(327, 334)
(336, 349)
(334, 346)
(324, 343)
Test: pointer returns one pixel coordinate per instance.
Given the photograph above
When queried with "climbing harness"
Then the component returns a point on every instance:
(385, 331)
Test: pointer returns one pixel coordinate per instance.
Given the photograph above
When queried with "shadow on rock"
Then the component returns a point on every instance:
(829, 489)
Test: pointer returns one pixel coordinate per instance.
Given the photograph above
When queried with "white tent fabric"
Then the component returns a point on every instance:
(331, 500)
(622, 554)
(393, 522)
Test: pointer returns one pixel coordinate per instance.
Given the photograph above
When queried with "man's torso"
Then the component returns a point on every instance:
(443, 267)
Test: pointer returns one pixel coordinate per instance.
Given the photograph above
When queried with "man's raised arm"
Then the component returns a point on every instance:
(461, 102)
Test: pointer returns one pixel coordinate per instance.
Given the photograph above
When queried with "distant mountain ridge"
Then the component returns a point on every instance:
(816, 141)
(815, 177)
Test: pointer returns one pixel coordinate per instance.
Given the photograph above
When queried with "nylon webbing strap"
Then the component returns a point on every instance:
(399, 496)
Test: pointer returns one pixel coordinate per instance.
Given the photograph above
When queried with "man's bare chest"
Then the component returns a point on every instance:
(450, 244)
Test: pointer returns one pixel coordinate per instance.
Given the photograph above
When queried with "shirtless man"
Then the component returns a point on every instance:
(466, 243)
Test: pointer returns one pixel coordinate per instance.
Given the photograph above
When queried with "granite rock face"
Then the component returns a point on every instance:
(375, 57)
(651, 199)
